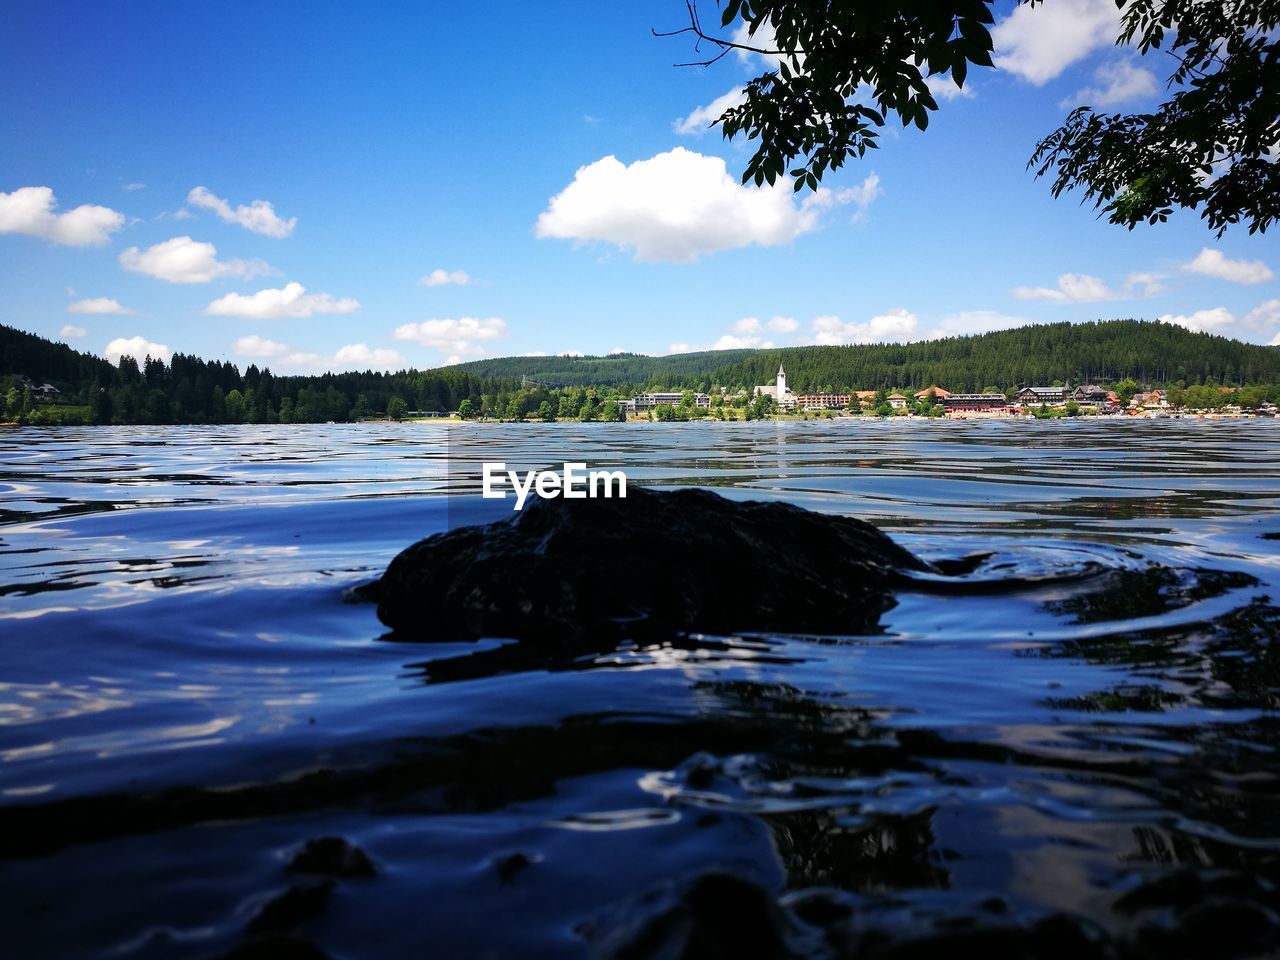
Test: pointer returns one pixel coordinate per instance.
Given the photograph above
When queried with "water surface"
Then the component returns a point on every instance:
(1087, 729)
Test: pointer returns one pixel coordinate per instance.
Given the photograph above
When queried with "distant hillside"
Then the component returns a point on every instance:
(1103, 351)
(188, 389)
(43, 360)
(614, 370)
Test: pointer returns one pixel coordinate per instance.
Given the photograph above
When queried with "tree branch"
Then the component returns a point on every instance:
(695, 27)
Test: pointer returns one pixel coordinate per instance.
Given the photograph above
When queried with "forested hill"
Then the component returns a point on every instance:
(616, 369)
(188, 389)
(1103, 351)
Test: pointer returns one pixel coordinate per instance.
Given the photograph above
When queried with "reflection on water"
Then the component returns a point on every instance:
(1081, 724)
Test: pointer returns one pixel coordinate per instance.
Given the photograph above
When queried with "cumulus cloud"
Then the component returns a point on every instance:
(681, 205)
(456, 336)
(353, 356)
(699, 121)
(1116, 83)
(29, 210)
(291, 300)
(1143, 284)
(360, 356)
(98, 305)
(1071, 288)
(1265, 316)
(891, 326)
(1204, 321)
(777, 324)
(1212, 263)
(944, 88)
(137, 347)
(444, 278)
(969, 322)
(256, 346)
(183, 260)
(860, 197)
(1037, 43)
(259, 216)
(72, 332)
(738, 341)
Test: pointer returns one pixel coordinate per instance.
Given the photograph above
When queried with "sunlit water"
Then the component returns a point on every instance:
(186, 698)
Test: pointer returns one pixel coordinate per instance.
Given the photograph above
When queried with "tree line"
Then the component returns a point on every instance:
(188, 389)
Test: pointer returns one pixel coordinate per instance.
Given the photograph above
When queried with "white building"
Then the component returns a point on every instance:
(647, 401)
(780, 392)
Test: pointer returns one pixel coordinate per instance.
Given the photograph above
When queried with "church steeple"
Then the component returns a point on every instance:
(782, 383)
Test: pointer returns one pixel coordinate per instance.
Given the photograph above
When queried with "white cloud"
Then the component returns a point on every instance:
(732, 341)
(1143, 284)
(183, 260)
(457, 336)
(1038, 42)
(131, 187)
(291, 300)
(763, 39)
(1212, 263)
(353, 356)
(680, 205)
(136, 347)
(861, 197)
(969, 322)
(29, 210)
(72, 332)
(749, 325)
(259, 216)
(255, 346)
(360, 356)
(1206, 321)
(891, 326)
(944, 88)
(1115, 83)
(444, 278)
(699, 121)
(1265, 316)
(1071, 288)
(98, 305)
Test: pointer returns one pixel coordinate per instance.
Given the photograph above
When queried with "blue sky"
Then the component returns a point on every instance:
(278, 182)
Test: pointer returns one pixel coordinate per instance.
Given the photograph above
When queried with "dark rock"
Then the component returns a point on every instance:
(282, 913)
(716, 916)
(654, 562)
(332, 857)
(510, 866)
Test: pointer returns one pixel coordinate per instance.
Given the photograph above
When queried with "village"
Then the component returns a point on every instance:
(1061, 400)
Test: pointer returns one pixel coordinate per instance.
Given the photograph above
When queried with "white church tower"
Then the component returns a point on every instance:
(782, 384)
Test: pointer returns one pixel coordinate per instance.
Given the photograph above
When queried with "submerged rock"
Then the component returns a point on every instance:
(332, 857)
(650, 563)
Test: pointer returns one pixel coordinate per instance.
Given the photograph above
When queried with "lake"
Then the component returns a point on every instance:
(1083, 738)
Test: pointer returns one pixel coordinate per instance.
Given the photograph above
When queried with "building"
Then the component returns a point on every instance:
(647, 401)
(938, 393)
(46, 391)
(1091, 395)
(1042, 396)
(1151, 400)
(897, 401)
(780, 392)
(975, 403)
(822, 401)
